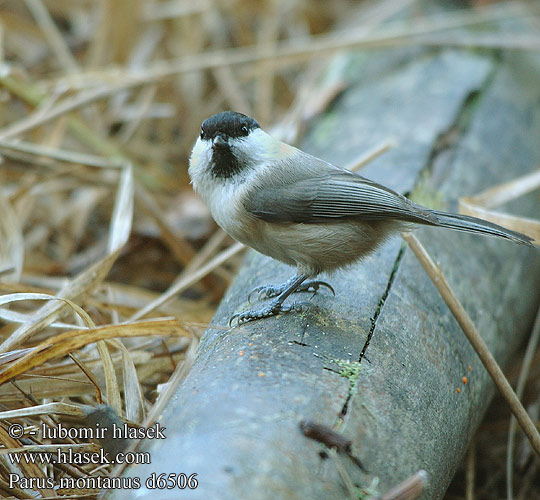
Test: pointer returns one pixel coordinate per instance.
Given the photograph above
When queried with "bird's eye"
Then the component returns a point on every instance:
(202, 134)
(245, 130)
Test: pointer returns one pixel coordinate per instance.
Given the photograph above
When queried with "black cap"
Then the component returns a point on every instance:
(228, 123)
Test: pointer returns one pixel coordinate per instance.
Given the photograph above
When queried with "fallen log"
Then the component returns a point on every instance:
(463, 122)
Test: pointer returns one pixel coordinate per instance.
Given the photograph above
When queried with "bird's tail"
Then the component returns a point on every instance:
(474, 225)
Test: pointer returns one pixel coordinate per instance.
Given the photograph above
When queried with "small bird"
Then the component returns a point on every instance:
(299, 209)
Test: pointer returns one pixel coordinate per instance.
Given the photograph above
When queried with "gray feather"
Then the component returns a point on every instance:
(326, 194)
(332, 196)
(470, 224)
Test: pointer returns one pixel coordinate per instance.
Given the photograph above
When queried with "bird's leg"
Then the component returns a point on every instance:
(269, 291)
(276, 306)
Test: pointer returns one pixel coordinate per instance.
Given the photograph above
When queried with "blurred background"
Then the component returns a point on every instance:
(100, 104)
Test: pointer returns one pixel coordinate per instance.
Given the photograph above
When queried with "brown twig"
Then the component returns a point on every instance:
(470, 471)
(526, 365)
(188, 281)
(411, 489)
(370, 155)
(89, 375)
(476, 340)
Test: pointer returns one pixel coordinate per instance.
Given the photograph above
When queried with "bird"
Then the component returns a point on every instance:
(300, 209)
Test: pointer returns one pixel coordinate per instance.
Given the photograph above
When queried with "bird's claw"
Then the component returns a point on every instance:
(266, 312)
(269, 291)
(266, 291)
(313, 286)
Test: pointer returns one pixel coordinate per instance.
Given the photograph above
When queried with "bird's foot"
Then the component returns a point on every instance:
(269, 291)
(266, 312)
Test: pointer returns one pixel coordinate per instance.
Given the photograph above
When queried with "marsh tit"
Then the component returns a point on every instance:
(299, 209)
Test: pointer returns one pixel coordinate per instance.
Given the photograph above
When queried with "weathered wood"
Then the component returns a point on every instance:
(235, 420)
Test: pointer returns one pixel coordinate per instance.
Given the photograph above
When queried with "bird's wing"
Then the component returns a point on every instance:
(330, 196)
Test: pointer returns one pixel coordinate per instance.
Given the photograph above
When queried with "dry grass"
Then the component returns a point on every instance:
(109, 265)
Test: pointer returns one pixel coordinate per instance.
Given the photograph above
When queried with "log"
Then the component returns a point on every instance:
(235, 419)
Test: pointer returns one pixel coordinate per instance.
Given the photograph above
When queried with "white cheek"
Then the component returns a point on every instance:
(217, 193)
(200, 159)
(261, 148)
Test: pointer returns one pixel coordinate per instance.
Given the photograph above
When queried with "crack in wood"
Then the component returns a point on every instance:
(382, 300)
(446, 140)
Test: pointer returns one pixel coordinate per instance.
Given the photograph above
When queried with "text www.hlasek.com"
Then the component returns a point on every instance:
(79, 457)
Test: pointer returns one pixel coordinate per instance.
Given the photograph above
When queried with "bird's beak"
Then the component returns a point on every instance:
(220, 141)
